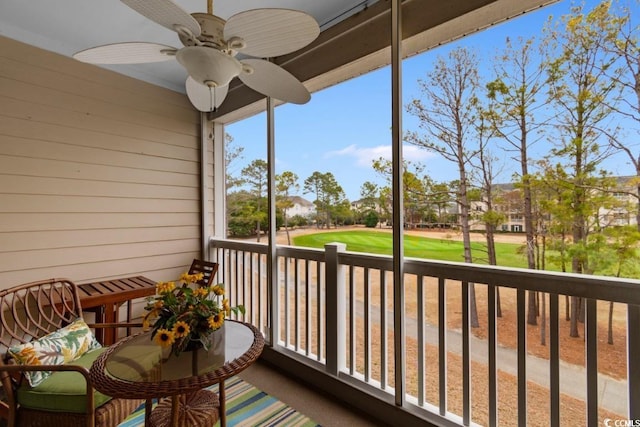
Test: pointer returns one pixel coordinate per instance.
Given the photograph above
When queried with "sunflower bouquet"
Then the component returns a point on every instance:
(186, 314)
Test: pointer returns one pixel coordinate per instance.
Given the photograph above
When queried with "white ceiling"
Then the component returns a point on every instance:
(68, 26)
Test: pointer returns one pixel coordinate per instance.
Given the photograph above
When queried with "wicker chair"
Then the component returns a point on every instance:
(208, 269)
(29, 312)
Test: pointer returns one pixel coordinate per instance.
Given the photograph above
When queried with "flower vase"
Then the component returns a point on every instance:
(217, 341)
(216, 354)
(193, 345)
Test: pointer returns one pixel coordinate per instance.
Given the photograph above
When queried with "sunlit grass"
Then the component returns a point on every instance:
(377, 242)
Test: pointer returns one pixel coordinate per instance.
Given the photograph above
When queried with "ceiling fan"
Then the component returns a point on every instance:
(210, 47)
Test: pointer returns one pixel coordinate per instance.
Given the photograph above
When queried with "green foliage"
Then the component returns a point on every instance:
(493, 218)
(298, 221)
(330, 198)
(371, 219)
(240, 227)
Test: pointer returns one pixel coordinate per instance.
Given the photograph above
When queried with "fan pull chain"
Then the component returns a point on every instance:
(212, 99)
(210, 7)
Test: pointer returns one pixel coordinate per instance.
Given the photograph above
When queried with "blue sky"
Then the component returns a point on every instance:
(344, 127)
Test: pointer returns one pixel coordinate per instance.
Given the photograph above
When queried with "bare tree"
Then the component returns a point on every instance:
(489, 169)
(623, 42)
(447, 116)
(232, 153)
(515, 104)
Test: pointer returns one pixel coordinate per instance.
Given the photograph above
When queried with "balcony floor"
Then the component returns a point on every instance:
(323, 409)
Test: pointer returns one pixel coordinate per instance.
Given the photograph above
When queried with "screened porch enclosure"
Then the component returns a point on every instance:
(106, 175)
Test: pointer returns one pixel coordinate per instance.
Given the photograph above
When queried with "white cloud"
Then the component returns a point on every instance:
(364, 156)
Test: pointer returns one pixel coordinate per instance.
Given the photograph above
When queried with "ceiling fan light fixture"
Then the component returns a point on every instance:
(203, 97)
(209, 65)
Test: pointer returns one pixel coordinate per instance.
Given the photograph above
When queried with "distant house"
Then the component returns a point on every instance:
(301, 207)
(365, 204)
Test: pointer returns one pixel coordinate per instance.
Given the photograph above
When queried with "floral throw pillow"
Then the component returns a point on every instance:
(57, 348)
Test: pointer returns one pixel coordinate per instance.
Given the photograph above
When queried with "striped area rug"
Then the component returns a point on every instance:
(247, 406)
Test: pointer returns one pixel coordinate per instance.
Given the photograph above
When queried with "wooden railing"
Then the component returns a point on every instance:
(334, 308)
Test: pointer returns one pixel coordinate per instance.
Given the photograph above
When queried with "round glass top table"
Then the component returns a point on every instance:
(138, 368)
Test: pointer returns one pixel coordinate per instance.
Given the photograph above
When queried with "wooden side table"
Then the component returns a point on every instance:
(104, 298)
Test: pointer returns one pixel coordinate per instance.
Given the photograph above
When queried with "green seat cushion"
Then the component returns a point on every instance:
(63, 391)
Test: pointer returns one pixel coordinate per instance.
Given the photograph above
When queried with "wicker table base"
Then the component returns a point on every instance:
(199, 409)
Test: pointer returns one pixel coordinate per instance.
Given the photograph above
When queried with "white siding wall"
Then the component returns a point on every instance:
(99, 173)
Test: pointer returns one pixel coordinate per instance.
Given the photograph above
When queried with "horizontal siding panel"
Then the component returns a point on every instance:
(51, 257)
(66, 186)
(28, 222)
(99, 173)
(13, 203)
(37, 240)
(52, 97)
(121, 132)
(137, 143)
(48, 69)
(28, 145)
(30, 166)
(162, 267)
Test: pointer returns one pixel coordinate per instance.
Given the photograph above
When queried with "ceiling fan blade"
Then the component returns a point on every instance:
(272, 32)
(166, 13)
(126, 53)
(274, 81)
(203, 97)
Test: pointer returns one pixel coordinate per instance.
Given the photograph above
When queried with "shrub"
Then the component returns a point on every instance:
(371, 219)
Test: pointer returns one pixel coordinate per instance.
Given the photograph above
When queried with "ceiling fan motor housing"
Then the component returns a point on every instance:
(211, 31)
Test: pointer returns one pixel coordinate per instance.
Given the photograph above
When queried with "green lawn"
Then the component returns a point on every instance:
(377, 242)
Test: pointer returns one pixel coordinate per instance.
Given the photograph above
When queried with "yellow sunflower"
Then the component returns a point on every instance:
(216, 321)
(201, 292)
(217, 289)
(181, 329)
(165, 287)
(164, 337)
